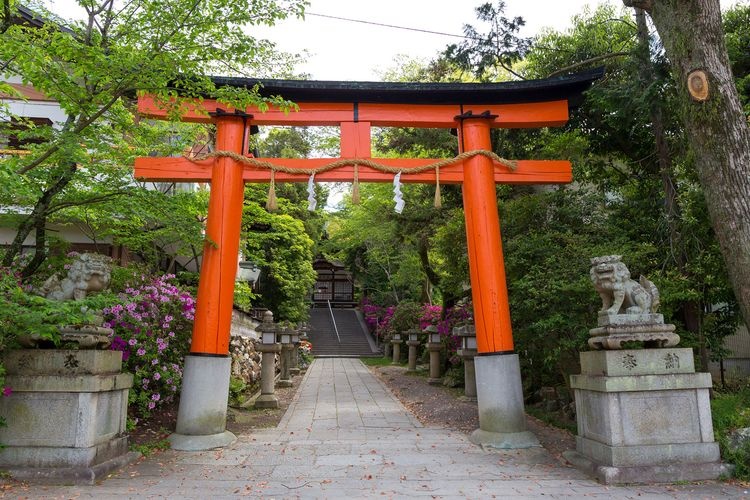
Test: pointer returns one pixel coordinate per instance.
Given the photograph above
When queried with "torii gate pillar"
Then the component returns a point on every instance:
(502, 421)
(202, 416)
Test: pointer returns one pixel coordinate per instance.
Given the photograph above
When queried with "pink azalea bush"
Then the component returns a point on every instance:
(152, 328)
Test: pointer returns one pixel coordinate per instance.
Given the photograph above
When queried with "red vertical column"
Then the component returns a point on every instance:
(486, 265)
(213, 315)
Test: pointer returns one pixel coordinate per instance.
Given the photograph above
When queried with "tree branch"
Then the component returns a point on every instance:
(588, 61)
(90, 201)
(639, 4)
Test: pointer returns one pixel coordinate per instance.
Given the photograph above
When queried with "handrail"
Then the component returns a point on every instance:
(333, 320)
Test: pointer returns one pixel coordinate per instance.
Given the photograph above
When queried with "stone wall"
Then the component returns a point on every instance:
(246, 361)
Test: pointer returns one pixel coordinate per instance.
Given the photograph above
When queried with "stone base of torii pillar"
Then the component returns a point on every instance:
(202, 416)
(502, 420)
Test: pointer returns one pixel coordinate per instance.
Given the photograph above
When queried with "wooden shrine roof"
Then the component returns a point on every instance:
(567, 87)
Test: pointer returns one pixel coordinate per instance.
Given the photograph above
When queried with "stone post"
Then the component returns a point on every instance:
(268, 348)
(467, 352)
(396, 342)
(413, 344)
(285, 379)
(387, 348)
(303, 336)
(434, 346)
(294, 366)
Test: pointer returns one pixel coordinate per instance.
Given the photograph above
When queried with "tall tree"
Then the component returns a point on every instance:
(93, 67)
(718, 129)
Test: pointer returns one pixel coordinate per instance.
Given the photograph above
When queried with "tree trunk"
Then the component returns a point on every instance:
(36, 221)
(717, 128)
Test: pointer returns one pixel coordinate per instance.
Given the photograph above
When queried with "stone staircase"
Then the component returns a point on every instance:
(355, 340)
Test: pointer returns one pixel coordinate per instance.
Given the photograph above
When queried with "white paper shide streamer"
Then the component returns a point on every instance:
(311, 201)
(397, 194)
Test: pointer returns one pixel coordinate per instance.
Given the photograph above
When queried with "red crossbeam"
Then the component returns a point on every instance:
(185, 170)
(524, 115)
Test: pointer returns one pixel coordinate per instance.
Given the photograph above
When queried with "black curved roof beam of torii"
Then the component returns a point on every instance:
(569, 87)
(435, 105)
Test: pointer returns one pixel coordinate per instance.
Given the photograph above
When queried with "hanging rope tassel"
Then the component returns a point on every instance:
(271, 203)
(355, 186)
(438, 199)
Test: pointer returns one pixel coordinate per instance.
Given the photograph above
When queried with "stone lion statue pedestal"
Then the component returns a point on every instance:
(643, 413)
(66, 416)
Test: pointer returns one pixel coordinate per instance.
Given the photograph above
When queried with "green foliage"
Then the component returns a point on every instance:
(484, 53)
(548, 240)
(81, 169)
(284, 253)
(148, 449)
(405, 317)
(25, 314)
(737, 32)
(731, 411)
(237, 388)
(376, 361)
(244, 296)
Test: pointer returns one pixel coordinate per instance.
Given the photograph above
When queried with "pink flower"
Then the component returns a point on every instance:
(141, 351)
(151, 405)
(7, 391)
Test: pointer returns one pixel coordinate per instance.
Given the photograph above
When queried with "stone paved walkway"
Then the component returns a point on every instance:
(346, 436)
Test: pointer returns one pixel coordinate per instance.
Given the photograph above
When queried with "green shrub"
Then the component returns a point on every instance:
(731, 411)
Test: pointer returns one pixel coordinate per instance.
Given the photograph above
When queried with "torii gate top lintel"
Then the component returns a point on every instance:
(519, 104)
(472, 109)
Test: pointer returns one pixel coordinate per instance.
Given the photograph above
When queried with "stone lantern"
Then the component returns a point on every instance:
(434, 346)
(294, 367)
(396, 343)
(285, 338)
(413, 344)
(467, 352)
(268, 347)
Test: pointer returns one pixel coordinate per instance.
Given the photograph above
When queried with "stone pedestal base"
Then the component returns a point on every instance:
(644, 416)
(66, 415)
(502, 421)
(202, 415)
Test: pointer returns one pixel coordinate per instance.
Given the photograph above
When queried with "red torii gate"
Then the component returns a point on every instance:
(471, 109)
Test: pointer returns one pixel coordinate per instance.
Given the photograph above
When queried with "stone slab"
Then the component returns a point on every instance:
(648, 474)
(62, 362)
(62, 419)
(71, 475)
(606, 318)
(69, 383)
(184, 442)
(39, 457)
(631, 383)
(637, 455)
(631, 362)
